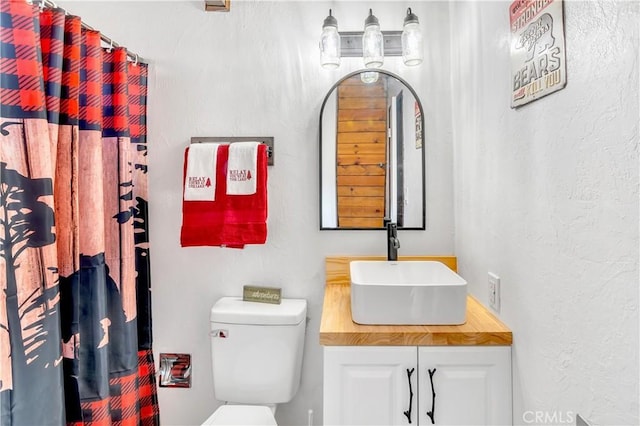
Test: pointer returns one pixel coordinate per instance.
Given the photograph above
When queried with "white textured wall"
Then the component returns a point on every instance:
(546, 196)
(255, 71)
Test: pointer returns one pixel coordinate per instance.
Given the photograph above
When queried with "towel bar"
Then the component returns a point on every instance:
(268, 140)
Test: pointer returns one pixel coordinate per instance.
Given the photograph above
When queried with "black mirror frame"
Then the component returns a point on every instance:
(423, 151)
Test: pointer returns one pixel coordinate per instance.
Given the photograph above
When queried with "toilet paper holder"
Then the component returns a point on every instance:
(174, 370)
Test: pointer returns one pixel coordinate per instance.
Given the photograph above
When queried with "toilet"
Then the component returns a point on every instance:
(256, 351)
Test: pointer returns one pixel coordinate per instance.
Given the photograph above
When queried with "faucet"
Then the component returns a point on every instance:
(393, 243)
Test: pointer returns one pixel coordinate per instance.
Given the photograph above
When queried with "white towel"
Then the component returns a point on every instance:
(241, 168)
(200, 181)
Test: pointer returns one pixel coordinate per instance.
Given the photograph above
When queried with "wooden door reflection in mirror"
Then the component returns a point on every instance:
(361, 154)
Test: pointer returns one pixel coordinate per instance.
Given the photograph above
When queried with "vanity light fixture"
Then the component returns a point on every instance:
(372, 45)
(330, 43)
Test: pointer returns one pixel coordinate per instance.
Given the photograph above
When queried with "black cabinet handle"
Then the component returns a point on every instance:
(432, 413)
(408, 412)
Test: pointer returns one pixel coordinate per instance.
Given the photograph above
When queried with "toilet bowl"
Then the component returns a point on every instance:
(256, 353)
(247, 415)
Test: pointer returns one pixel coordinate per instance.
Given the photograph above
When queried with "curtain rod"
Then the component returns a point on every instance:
(50, 4)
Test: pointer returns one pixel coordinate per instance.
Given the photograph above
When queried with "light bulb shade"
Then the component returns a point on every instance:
(372, 43)
(369, 77)
(412, 50)
(330, 48)
(330, 43)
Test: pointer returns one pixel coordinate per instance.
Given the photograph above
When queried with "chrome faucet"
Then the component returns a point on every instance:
(393, 243)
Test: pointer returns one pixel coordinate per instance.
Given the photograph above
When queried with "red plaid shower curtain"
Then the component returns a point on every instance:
(75, 308)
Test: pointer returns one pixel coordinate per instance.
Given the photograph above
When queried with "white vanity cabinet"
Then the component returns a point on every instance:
(472, 385)
(391, 385)
(368, 385)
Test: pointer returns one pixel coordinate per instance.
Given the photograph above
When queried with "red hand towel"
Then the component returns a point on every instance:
(230, 220)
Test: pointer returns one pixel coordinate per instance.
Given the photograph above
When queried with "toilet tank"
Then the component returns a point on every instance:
(256, 350)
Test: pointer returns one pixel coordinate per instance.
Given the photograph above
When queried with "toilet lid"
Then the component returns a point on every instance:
(248, 415)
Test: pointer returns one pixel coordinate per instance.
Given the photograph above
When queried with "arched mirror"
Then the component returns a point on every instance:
(371, 154)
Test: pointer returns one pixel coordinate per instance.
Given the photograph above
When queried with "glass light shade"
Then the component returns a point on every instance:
(411, 40)
(372, 43)
(330, 43)
(330, 48)
(412, 44)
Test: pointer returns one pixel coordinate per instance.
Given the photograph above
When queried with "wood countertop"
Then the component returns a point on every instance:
(338, 329)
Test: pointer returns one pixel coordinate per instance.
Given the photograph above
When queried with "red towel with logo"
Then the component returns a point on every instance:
(230, 220)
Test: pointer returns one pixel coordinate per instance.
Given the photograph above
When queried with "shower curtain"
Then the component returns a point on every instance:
(75, 314)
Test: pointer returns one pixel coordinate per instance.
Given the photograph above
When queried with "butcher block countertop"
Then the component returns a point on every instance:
(338, 329)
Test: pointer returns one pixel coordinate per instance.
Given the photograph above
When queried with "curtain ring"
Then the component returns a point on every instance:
(135, 63)
(110, 48)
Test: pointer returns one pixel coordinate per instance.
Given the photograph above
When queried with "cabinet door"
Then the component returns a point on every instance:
(465, 385)
(366, 385)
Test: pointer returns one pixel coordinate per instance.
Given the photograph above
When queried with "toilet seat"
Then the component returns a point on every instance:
(248, 415)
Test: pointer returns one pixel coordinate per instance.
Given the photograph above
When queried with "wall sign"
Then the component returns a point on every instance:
(538, 63)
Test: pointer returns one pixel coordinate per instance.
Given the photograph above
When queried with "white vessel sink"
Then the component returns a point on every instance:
(406, 293)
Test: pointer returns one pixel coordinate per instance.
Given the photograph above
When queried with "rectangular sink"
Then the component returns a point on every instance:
(406, 293)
